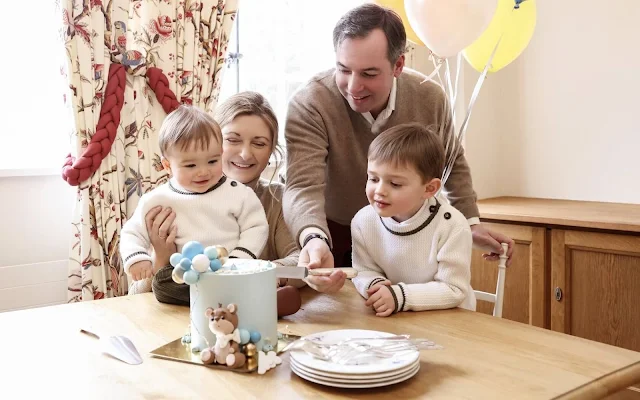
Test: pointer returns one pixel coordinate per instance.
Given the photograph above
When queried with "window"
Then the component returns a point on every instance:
(35, 125)
(278, 45)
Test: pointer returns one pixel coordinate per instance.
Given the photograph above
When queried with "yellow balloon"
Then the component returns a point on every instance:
(398, 7)
(516, 27)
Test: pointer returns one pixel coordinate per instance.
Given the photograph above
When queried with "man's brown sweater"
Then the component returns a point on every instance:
(328, 142)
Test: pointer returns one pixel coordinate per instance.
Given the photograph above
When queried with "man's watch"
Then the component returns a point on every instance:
(313, 236)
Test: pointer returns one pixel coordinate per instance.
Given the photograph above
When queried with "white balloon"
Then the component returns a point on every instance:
(448, 26)
(200, 263)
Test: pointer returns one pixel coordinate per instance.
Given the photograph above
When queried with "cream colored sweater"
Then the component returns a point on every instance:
(427, 258)
(327, 145)
(280, 247)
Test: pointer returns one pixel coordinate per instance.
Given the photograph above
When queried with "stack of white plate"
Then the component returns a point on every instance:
(381, 372)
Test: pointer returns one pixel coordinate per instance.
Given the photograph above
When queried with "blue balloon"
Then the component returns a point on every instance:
(211, 252)
(185, 264)
(192, 249)
(254, 336)
(244, 336)
(175, 259)
(190, 277)
(215, 265)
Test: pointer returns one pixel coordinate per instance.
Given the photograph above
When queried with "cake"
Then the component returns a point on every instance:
(233, 304)
(250, 285)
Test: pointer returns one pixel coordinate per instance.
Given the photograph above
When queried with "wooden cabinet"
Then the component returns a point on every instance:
(597, 280)
(525, 279)
(575, 269)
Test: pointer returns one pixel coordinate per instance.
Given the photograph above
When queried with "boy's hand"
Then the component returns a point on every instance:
(141, 270)
(375, 287)
(382, 301)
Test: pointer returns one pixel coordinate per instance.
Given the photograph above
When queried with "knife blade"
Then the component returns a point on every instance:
(302, 272)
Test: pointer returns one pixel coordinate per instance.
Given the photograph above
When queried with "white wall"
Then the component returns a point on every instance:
(562, 120)
(34, 239)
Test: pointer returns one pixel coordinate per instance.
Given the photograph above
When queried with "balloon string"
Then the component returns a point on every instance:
(437, 64)
(465, 122)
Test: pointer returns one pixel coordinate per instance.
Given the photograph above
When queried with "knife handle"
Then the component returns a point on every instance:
(351, 273)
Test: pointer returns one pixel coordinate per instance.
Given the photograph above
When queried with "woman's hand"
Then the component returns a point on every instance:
(162, 234)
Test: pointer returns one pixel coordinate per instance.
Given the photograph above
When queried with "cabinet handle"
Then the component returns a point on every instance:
(558, 293)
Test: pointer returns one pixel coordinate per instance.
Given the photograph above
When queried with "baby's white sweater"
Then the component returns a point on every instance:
(427, 258)
(229, 214)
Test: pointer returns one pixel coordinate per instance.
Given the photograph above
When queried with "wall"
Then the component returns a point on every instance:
(562, 120)
(34, 239)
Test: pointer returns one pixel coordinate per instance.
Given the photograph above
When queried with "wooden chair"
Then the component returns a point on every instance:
(497, 298)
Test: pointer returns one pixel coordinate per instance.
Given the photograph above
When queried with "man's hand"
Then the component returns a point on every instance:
(490, 242)
(141, 270)
(381, 300)
(316, 254)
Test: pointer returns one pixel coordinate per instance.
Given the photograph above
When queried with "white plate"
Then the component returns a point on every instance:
(352, 377)
(383, 365)
(355, 379)
(380, 383)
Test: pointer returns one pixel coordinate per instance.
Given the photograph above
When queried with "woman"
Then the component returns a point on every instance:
(250, 137)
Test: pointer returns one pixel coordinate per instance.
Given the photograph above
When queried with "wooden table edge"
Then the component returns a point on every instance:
(605, 385)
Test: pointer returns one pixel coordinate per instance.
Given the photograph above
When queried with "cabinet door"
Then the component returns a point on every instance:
(597, 277)
(524, 295)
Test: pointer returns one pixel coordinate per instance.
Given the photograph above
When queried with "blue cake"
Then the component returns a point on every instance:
(251, 286)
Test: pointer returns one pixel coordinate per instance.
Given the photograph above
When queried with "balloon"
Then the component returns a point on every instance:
(398, 7)
(448, 26)
(516, 27)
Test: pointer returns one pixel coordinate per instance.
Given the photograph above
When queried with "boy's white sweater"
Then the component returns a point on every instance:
(427, 258)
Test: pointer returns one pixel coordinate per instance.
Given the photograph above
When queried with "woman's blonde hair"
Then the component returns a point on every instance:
(187, 126)
(252, 103)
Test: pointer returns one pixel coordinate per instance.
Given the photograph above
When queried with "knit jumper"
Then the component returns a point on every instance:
(280, 247)
(229, 214)
(427, 258)
(327, 145)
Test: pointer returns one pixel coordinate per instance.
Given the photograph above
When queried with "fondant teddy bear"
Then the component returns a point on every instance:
(223, 322)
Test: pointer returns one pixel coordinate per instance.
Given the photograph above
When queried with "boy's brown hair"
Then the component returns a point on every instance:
(187, 126)
(410, 144)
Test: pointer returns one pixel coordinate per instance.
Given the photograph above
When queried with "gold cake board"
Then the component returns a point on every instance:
(178, 350)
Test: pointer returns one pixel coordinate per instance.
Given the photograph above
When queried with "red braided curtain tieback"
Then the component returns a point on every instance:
(76, 171)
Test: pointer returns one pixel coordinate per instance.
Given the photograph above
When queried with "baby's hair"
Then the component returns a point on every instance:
(410, 144)
(252, 103)
(187, 126)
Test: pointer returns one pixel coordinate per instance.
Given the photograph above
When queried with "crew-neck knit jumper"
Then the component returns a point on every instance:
(427, 258)
(229, 214)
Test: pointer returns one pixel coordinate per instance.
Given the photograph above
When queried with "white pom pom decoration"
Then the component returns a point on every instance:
(200, 263)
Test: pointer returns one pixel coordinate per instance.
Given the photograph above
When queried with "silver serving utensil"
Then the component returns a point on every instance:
(119, 347)
(301, 272)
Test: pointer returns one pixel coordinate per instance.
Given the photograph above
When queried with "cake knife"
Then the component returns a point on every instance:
(302, 272)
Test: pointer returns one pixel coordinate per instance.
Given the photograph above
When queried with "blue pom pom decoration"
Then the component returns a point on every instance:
(175, 258)
(211, 252)
(245, 337)
(267, 348)
(255, 336)
(185, 264)
(215, 265)
(192, 249)
(190, 277)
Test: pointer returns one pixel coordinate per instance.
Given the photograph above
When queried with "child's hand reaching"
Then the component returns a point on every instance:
(141, 270)
(381, 299)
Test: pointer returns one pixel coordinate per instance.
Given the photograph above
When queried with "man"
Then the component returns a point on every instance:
(330, 124)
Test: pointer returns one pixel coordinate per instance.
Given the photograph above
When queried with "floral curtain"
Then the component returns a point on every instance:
(187, 40)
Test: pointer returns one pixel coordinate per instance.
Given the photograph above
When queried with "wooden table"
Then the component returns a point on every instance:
(483, 357)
